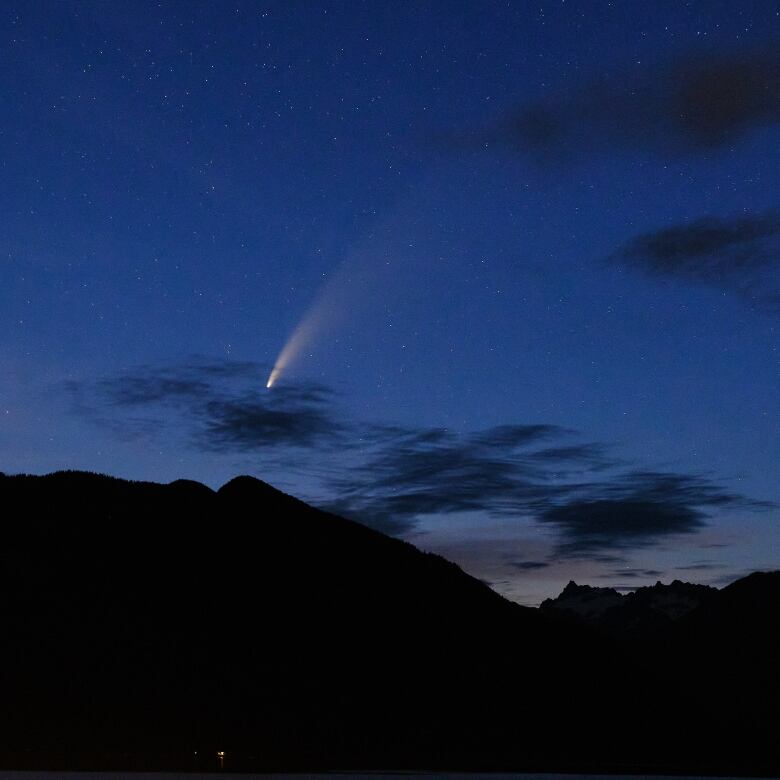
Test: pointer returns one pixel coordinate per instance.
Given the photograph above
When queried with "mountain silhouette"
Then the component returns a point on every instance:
(631, 616)
(152, 626)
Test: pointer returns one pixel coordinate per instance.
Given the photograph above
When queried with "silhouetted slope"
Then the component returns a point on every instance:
(153, 619)
(735, 638)
(145, 623)
(714, 653)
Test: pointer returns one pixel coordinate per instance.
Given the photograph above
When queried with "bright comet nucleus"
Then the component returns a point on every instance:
(272, 378)
(354, 282)
(301, 336)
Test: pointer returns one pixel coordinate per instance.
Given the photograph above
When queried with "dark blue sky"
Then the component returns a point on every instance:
(541, 243)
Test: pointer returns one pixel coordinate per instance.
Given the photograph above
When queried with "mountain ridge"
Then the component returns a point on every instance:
(154, 626)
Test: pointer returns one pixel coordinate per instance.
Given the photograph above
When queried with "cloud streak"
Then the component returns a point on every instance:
(222, 407)
(740, 254)
(637, 509)
(528, 565)
(511, 471)
(391, 477)
(692, 105)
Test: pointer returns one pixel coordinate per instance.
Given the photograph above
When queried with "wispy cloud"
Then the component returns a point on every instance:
(509, 472)
(435, 471)
(391, 477)
(631, 574)
(694, 104)
(635, 510)
(220, 406)
(701, 566)
(740, 254)
(528, 565)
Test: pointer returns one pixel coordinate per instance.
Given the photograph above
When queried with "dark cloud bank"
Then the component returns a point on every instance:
(219, 406)
(390, 476)
(739, 254)
(692, 105)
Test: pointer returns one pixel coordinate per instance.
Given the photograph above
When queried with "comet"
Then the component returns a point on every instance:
(326, 308)
(363, 281)
(299, 338)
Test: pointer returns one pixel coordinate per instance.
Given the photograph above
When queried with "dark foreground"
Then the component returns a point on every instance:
(151, 627)
(397, 775)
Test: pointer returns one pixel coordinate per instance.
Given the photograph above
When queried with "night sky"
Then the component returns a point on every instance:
(535, 248)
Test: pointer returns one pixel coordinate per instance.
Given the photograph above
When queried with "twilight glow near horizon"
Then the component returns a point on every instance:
(523, 263)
